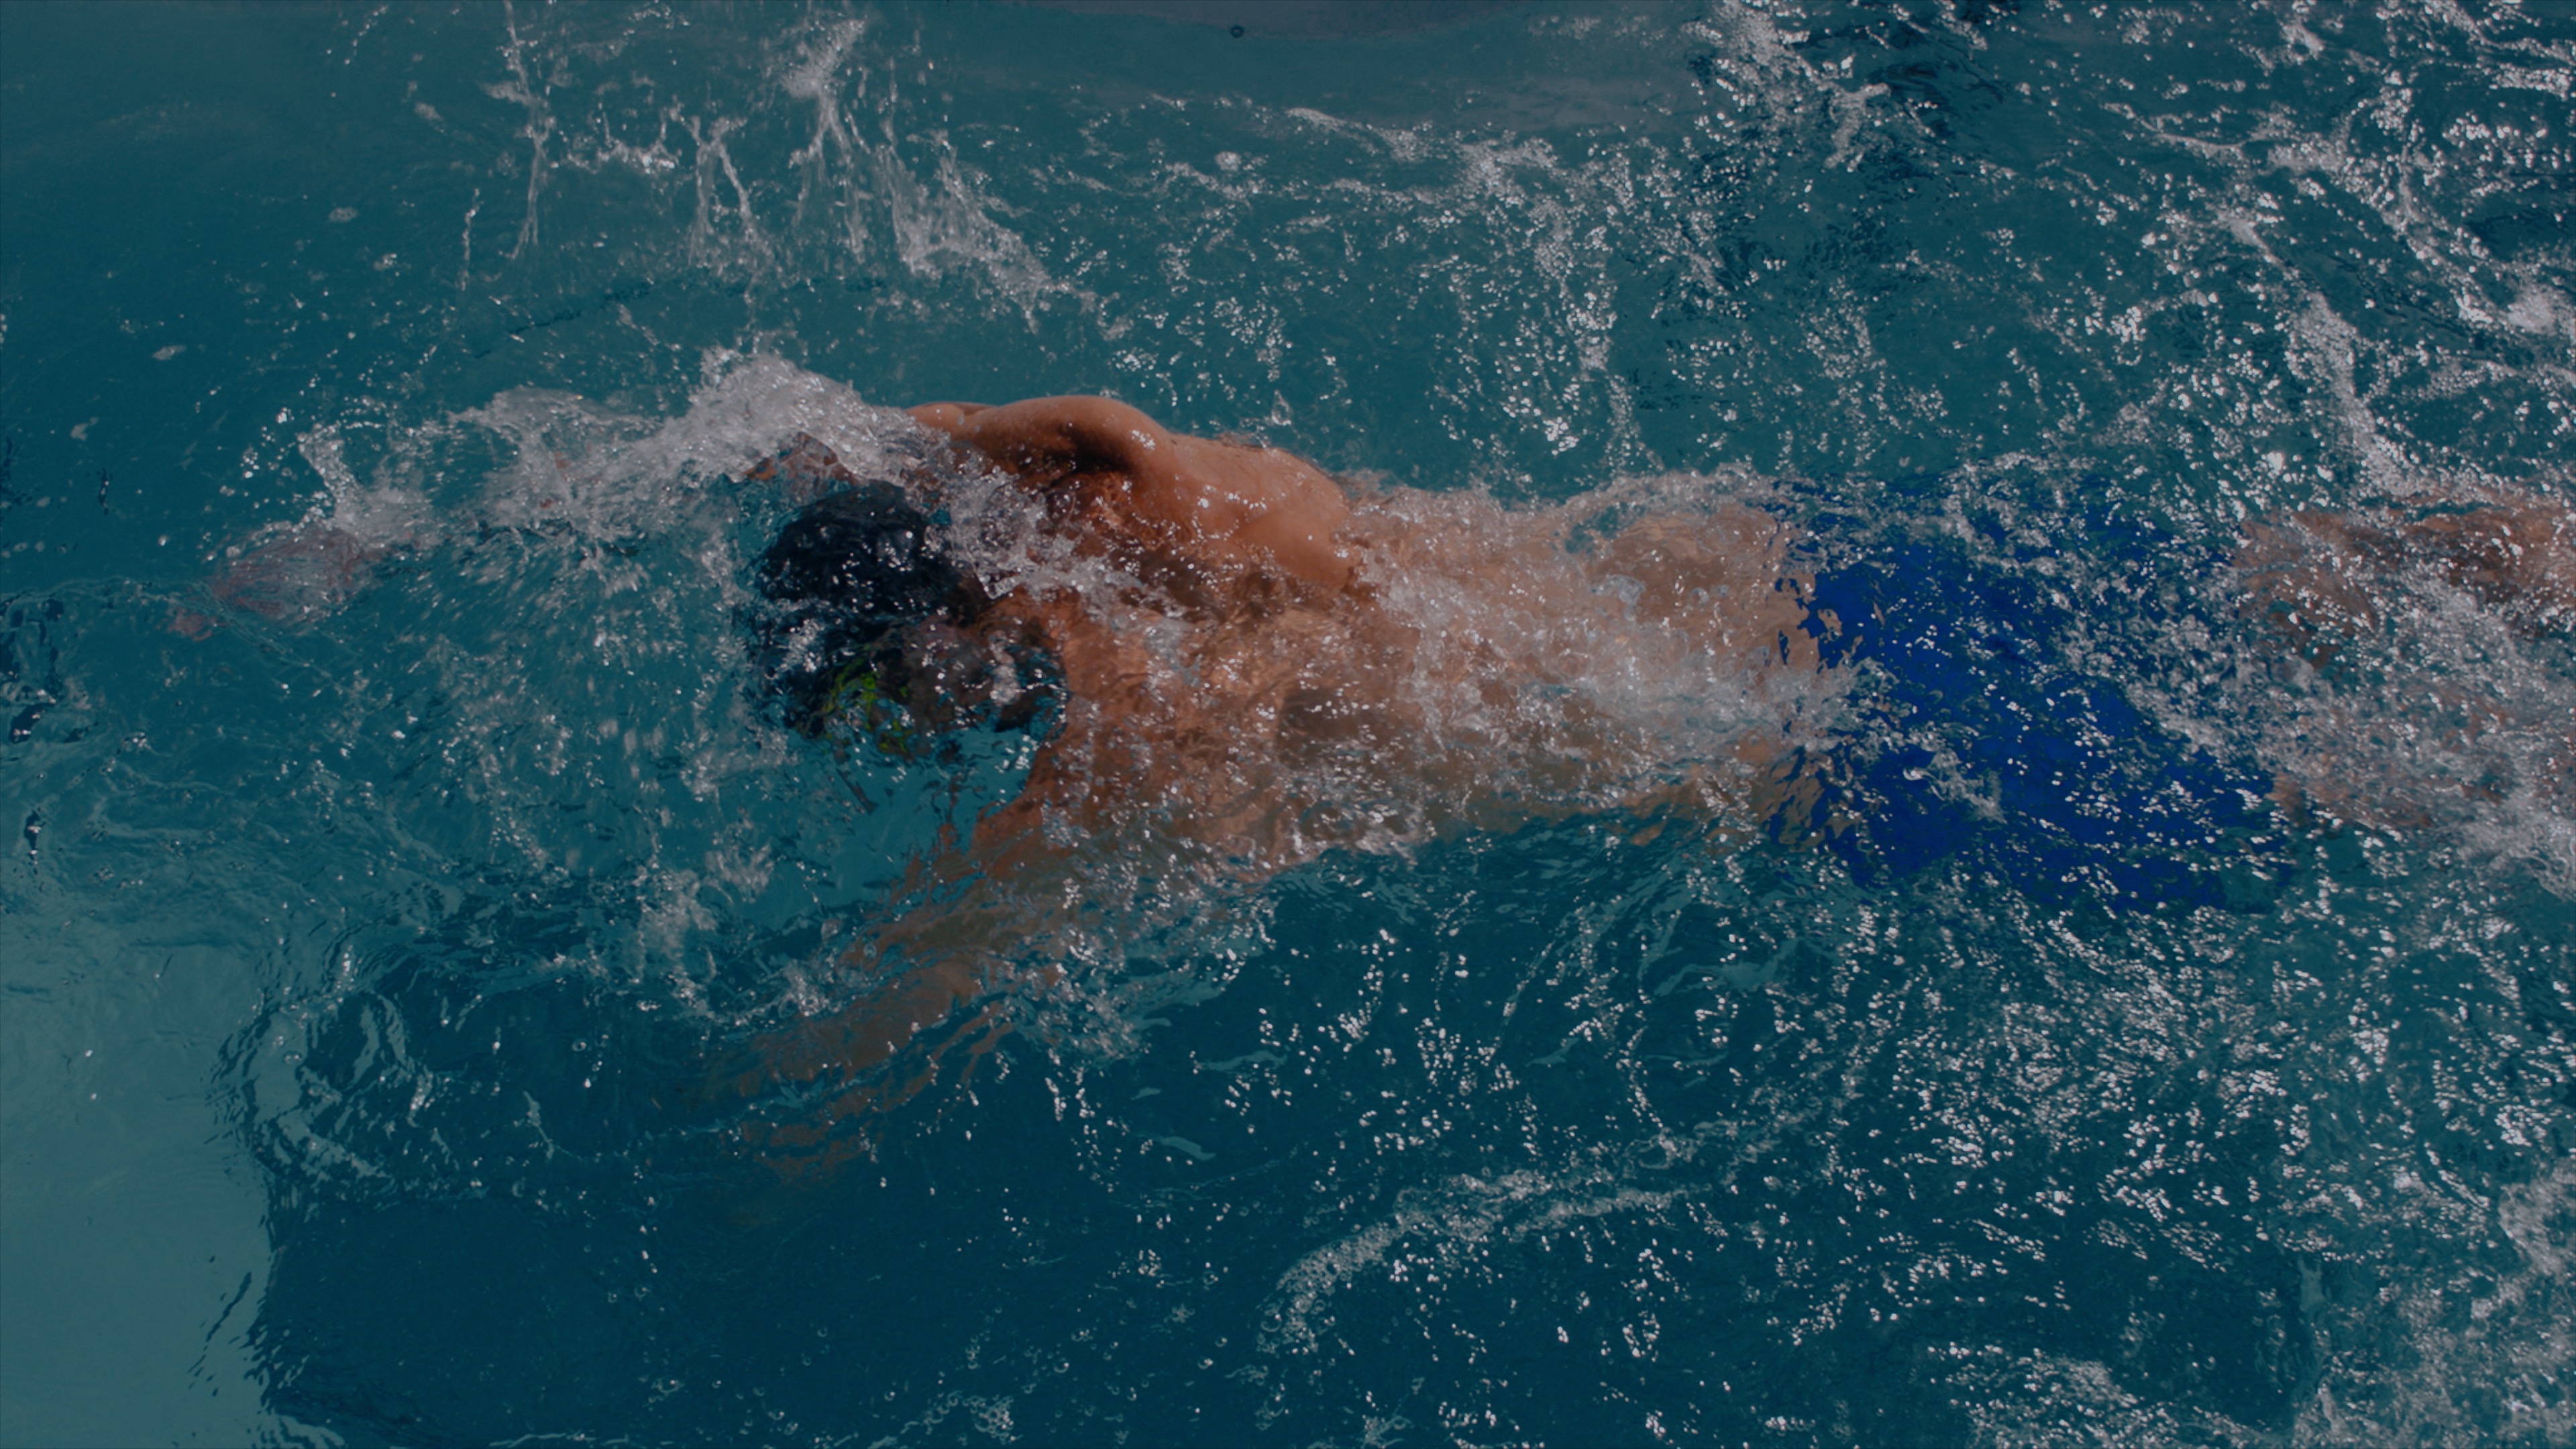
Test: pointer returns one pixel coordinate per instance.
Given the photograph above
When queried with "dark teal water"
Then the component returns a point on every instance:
(364, 967)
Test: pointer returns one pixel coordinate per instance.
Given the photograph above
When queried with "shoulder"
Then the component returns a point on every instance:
(1090, 432)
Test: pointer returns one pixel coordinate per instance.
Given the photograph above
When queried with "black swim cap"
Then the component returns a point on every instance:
(865, 553)
(845, 577)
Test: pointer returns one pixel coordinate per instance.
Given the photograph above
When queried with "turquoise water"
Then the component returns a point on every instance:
(368, 959)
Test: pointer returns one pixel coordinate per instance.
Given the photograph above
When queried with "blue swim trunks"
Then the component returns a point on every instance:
(1980, 743)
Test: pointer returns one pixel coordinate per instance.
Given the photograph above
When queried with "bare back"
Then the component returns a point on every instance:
(1279, 675)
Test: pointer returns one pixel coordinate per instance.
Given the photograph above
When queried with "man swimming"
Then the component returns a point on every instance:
(1248, 663)
(1229, 663)
(1268, 663)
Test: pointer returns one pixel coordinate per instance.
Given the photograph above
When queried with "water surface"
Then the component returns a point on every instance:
(365, 964)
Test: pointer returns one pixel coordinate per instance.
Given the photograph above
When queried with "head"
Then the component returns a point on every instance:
(872, 627)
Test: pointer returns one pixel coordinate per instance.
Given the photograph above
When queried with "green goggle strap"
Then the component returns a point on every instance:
(859, 699)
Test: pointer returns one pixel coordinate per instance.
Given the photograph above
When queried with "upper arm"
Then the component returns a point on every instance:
(1207, 502)
(1080, 433)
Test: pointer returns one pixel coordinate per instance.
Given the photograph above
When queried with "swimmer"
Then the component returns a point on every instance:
(1231, 663)
(1271, 678)
(1265, 664)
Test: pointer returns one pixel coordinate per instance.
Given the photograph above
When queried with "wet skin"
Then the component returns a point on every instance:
(1289, 657)
(2319, 582)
